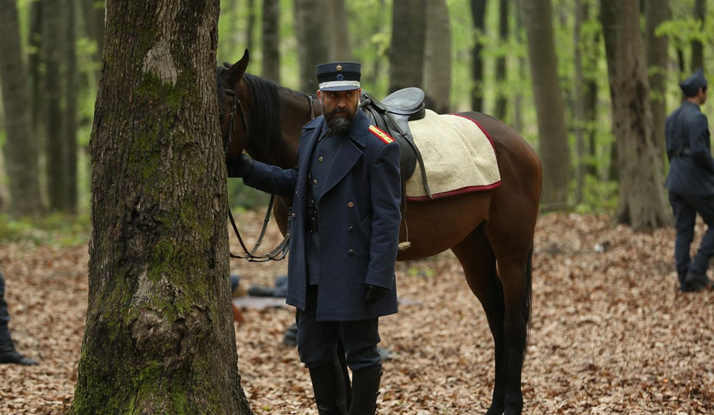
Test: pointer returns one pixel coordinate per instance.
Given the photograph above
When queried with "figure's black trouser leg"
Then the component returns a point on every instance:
(685, 217)
(329, 389)
(5, 340)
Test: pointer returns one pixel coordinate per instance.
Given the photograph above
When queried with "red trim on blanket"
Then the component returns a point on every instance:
(455, 192)
(480, 128)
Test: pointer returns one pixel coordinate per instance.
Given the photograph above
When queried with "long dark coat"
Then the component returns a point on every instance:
(358, 224)
(691, 168)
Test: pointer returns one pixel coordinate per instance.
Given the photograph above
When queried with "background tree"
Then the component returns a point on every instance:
(21, 149)
(700, 14)
(340, 48)
(56, 151)
(70, 109)
(406, 50)
(503, 34)
(437, 59)
(312, 40)
(657, 12)
(478, 14)
(548, 97)
(159, 335)
(271, 40)
(642, 203)
(250, 27)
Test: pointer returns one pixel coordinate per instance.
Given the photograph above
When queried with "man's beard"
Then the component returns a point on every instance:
(339, 125)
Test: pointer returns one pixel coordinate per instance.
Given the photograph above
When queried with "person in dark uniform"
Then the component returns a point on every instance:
(691, 182)
(8, 354)
(345, 233)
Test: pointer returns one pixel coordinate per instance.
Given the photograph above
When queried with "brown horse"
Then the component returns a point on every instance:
(482, 228)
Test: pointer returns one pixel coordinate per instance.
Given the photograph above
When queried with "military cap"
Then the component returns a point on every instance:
(338, 76)
(691, 85)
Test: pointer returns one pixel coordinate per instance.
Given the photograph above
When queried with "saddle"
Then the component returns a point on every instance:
(393, 115)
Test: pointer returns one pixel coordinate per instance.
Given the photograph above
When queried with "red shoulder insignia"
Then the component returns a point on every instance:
(381, 134)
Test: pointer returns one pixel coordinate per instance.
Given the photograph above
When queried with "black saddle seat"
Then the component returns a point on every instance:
(407, 101)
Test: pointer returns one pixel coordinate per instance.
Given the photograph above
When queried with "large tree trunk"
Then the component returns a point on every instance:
(21, 146)
(159, 337)
(503, 32)
(642, 203)
(271, 40)
(312, 40)
(437, 65)
(478, 14)
(700, 13)
(70, 113)
(406, 50)
(548, 96)
(340, 49)
(56, 152)
(657, 11)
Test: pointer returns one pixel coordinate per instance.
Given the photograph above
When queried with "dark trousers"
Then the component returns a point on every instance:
(317, 340)
(685, 212)
(4, 316)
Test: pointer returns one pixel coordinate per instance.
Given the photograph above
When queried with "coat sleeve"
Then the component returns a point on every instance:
(272, 179)
(385, 186)
(699, 142)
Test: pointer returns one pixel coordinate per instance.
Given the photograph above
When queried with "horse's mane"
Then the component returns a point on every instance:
(265, 126)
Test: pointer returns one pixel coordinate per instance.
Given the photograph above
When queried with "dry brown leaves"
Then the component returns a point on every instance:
(610, 333)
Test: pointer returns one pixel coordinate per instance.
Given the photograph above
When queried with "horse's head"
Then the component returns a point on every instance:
(234, 125)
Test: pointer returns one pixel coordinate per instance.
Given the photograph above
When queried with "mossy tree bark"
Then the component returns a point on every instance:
(159, 337)
(642, 203)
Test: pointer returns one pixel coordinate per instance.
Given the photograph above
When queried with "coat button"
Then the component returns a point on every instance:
(315, 181)
(320, 159)
(350, 229)
(351, 252)
(350, 205)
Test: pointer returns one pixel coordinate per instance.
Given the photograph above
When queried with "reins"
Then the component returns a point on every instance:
(281, 251)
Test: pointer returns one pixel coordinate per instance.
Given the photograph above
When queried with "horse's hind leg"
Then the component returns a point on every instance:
(479, 263)
(514, 249)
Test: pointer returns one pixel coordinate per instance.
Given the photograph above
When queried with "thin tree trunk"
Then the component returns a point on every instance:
(406, 50)
(340, 49)
(34, 61)
(250, 27)
(518, 96)
(642, 203)
(478, 14)
(548, 95)
(159, 337)
(503, 33)
(657, 12)
(437, 62)
(579, 110)
(312, 40)
(70, 113)
(21, 148)
(700, 13)
(271, 40)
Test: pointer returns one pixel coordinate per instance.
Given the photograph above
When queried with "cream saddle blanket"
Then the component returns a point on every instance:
(458, 157)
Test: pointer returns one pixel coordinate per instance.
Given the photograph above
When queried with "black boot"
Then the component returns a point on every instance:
(329, 388)
(365, 389)
(8, 354)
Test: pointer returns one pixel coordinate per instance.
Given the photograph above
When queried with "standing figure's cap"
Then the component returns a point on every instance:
(338, 76)
(691, 85)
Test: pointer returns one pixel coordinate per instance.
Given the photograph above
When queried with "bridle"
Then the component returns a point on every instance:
(281, 251)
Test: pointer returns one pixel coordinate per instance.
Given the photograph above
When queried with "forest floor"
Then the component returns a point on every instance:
(610, 333)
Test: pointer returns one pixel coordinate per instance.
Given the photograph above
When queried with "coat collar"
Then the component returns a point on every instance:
(357, 133)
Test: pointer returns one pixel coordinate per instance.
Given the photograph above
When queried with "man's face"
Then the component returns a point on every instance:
(339, 108)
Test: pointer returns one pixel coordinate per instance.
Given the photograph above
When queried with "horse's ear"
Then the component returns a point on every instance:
(237, 70)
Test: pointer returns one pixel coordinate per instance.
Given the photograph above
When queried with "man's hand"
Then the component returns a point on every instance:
(240, 166)
(375, 293)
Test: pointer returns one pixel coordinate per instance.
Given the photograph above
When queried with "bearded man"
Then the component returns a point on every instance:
(345, 221)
